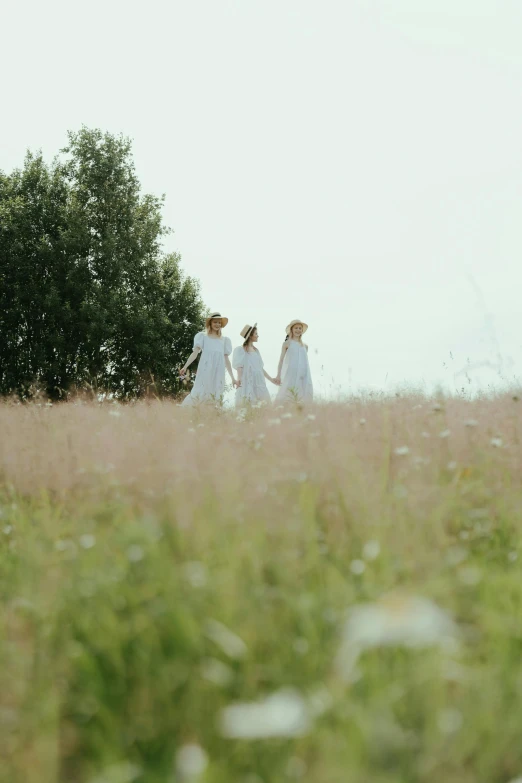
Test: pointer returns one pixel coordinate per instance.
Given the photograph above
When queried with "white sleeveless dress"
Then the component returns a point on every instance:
(296, 379)
(209, 385)
(253, 386)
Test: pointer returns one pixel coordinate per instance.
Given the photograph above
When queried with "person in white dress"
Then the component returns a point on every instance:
(215, 350)
(250, 370)
(293, 373)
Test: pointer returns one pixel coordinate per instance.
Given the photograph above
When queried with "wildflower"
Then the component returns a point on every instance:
(311, 417)
(135, 553)
(296, 767)
(228, 641)
(471, 423)
(425, 435)
(195, 573)
(286, 415)
(456, 555)
(496, 442)
(114, 413)
(371, 550)
(357, 567)
(394, 621)
(191, 429)
(445, 434)
(512, 556)
(217, 672)
(451, 465)
(274, 422)
(437, 407)
(301, 646)
(191, 762)
(123, 772)
(87, 541)
(282, 714)
(470, 576)
(401, 451)
(362, 421)
(449, 720)
(7, 530)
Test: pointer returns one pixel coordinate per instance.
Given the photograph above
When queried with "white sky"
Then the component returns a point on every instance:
(354, 163)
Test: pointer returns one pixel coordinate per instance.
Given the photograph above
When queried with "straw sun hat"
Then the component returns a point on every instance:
(224, 321)
(294, 323)
(247, 330)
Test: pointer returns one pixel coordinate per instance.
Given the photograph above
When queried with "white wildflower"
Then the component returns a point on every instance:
(191, 762)
(274, 422)
(87, 541)
(191, 429)
(512, 556)
(296, 767)
(286, 415)
(7, 530)
(115, 412)
(395, 620)
(437, 406)
(319, 701)
(282, 714)
(135, 553)
(229, 642)
(456, 555)
(357, 567)
(401, 451)
(301, 646)
(496, 442)
(362, 421)
(445, 434)
(216, 672)
(471, 423)
(425, 435)
(311, 417)
(449, 720)
(123, 772)
(470, 576)
(478, 513)
(371, 549)
(451, 466)
(195, 573)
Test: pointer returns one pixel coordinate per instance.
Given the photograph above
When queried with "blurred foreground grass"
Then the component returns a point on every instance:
(351, 572)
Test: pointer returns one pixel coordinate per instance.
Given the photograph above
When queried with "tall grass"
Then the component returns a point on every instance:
(159, 565)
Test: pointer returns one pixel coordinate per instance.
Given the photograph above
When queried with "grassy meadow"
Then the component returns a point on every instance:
(322, 595)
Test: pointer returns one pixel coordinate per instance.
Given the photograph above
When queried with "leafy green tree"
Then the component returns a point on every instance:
(88, 298)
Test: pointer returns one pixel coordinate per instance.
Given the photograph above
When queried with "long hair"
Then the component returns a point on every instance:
(249, 338)
(209, 329)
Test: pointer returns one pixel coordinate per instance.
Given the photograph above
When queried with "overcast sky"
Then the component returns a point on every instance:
(354, 163)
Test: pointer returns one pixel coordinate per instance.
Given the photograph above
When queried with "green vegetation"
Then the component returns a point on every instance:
(358, 564)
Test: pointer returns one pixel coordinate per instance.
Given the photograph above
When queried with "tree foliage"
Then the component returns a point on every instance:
(88, 298)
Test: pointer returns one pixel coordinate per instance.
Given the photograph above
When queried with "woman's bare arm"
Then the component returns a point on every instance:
(229, 370)
(192, 357)
(284, 349)
(269, 377)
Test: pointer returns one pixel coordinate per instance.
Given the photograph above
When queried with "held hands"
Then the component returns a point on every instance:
(277, 380)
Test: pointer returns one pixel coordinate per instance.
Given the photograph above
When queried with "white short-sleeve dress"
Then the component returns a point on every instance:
(253, 386)
(209, 385)
(296, 378)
